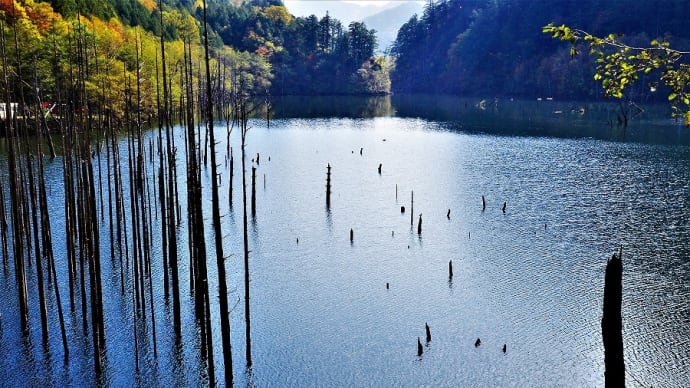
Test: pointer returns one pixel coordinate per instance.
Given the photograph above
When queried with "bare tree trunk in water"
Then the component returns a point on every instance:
(611, 323)
(220, 260)
(244, 117)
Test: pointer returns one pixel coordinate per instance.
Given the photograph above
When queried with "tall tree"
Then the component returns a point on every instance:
(217, 231)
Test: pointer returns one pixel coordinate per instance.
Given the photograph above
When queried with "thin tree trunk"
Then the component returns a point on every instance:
(215, 202)
(247, 319)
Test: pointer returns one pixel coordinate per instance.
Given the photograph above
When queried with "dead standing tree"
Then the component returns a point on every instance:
(170, 187)
(220, 259)
(197, 240)
(244, 107)
(611, 323)
(16, 207)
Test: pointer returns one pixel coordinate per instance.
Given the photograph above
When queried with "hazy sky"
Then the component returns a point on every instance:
(306, 4)
(341, 9)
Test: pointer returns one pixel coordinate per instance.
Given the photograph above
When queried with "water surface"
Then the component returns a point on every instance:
(576, 190)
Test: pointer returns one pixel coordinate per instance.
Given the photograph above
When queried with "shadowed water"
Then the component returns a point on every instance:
(576, 189)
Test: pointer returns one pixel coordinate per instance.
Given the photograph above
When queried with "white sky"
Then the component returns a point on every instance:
(300, 4)
(345, 10)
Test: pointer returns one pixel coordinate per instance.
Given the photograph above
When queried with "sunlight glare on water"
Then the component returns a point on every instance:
(322, 314)
(531, 278)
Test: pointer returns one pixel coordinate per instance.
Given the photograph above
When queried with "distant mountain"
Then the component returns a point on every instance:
(385, 17)
(387, 22)
(344, 11)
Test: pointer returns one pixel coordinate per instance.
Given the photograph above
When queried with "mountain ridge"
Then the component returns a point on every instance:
(387, 22)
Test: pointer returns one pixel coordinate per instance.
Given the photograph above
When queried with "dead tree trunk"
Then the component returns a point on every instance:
(220, 259)
(611, 323)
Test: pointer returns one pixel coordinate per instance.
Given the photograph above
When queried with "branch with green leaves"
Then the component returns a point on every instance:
(618, 64)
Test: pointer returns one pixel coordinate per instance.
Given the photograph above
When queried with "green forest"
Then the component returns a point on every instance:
(497, 48)
(74, 53)
(472, 48)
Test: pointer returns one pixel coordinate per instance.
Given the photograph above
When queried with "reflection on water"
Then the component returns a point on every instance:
(501, 116)
(561, 119)
(331, 106)
(530, 278)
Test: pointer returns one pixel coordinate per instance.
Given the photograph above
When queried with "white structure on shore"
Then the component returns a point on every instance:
(14, 108)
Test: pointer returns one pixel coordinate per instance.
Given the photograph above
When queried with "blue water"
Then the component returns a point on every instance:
(530, 278)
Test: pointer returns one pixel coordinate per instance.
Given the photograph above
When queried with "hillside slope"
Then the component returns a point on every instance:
(497, 48)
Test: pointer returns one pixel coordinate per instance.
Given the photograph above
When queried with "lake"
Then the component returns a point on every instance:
(331, 311)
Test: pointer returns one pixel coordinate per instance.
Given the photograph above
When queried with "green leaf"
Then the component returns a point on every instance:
(686, 101)
(672, 96)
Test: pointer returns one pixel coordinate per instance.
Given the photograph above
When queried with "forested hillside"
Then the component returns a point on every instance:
(465, 47)
(310, 55)
(497, 48)
(103, 53)
(94, 62)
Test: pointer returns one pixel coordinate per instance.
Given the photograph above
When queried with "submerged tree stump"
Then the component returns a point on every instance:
(611, 323)
(328, 185)
(411, 209)
(253, 191)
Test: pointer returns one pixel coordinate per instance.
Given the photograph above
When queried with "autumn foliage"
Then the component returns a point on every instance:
(111, 57)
